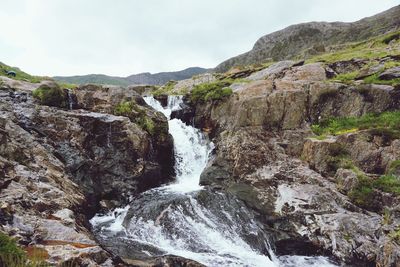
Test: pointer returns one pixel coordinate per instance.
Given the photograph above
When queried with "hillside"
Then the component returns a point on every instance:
(308, 39)
(141, 78)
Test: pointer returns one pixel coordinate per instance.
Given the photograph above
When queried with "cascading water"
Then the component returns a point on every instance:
(185, 220)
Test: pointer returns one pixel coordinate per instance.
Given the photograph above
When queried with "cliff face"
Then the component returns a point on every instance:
(319, 190)
(307, 39)
(59, 166)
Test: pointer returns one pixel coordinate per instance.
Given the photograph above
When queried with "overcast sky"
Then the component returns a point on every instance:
(122, 37)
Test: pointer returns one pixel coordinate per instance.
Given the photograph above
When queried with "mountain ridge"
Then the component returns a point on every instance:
(310, 38)
(134, 79)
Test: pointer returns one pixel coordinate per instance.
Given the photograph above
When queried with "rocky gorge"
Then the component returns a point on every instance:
(280, 163)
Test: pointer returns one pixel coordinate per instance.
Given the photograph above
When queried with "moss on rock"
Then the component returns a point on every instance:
(51, 95)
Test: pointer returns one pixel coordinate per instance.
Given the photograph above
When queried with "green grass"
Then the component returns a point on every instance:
(50, 96)
(211, 91)
(20, 75)
(374, 79)
(389, 121)
(346, 77)
(67, 85)
(394, 165)
(370, 49)
(395, 235)
(137, 115)
(364, 193)
(165, 89)
(14, 256)
(124, 108)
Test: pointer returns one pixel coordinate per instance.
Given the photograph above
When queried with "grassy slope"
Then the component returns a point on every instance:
(21, 76)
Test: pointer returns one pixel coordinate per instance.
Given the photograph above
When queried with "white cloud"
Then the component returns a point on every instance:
(121, 37)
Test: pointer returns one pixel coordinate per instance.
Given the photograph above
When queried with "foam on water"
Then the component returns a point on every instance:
(196, 233)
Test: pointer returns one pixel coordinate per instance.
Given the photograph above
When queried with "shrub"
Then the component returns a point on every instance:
(9, 247)
(124, 108)
(50, 96)
(211, 91)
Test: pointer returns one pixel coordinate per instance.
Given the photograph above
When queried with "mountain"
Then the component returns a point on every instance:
(142, 78)
(302, 40)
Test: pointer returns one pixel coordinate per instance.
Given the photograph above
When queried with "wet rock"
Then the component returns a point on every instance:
(165, 261)
(262, 130)
(163, 99)
(57, 165)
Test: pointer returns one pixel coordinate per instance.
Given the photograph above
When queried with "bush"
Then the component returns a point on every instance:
(211, 91)
(51, 96)
(9, 247)
(124, 108)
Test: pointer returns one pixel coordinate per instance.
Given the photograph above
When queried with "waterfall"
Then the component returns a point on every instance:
(70, 99)
(186, 220)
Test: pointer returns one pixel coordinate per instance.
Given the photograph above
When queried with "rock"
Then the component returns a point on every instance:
(274, 69)
(163, 99)
(165, 261)
(346, 180)
(341, 67)
(390, 74)
(57, 165)
(262, 130)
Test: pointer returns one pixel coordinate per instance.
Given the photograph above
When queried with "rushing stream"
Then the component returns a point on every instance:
(187, 220)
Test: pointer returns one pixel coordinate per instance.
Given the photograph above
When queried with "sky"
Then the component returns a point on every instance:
(123, 37)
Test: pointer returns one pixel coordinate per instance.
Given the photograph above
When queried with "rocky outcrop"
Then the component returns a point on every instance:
(307, 39)
(261, 133)
(59, 166)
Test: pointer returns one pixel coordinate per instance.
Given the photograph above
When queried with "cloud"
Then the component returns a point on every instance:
(67, 37)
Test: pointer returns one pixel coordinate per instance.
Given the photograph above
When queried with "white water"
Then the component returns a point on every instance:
(189, 229)
(191, 148)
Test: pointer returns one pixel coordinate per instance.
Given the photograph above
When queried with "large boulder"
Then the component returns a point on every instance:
(59, 167)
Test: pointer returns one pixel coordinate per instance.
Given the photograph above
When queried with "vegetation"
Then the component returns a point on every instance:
(370, 49)
(211, 91)
(393, 167)
(375, 80)
(51, 96)
(67, 85)
(386, 121)
(20, 75)
(363, 193)
(165, 89)
(346, 77)
(395, 235)
(124, 108)
(14, 256)
(136, 114)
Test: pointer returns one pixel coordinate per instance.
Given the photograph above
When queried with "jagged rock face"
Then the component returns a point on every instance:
(286, 97)
(310, 38)
(262, 131)
(59, 166)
